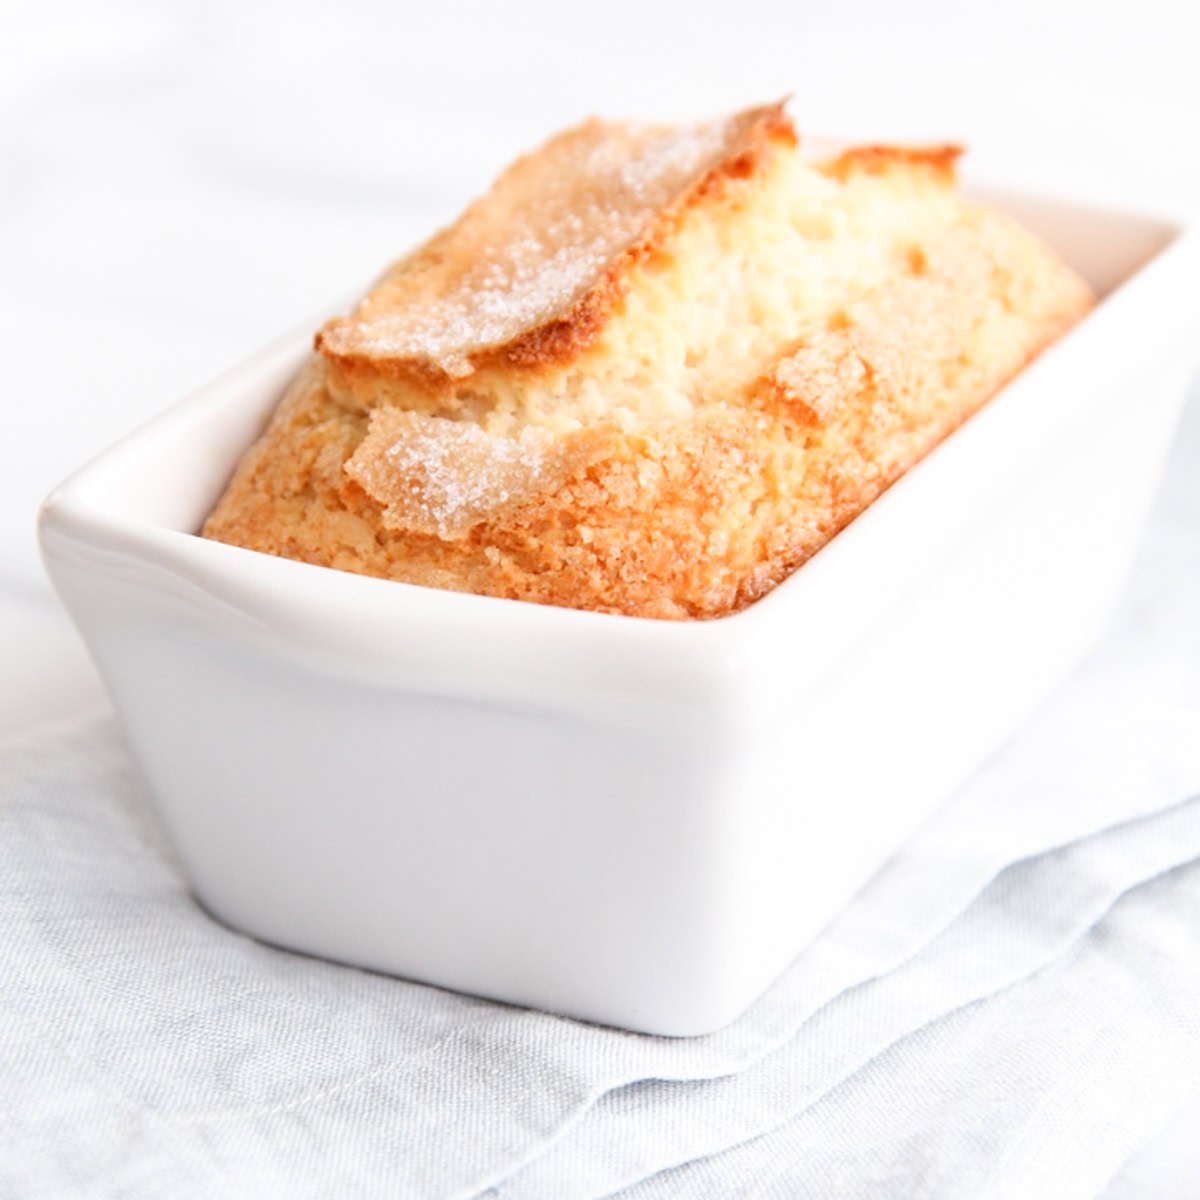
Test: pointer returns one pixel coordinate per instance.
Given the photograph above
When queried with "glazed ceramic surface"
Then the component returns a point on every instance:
(634, 822)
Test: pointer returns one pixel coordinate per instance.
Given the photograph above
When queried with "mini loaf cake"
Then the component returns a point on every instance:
(651, 372)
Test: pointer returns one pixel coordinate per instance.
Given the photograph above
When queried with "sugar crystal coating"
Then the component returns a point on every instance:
(441, 477)
(530, 250)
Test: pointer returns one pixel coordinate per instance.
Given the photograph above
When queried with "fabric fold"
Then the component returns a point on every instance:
(1043, 1090)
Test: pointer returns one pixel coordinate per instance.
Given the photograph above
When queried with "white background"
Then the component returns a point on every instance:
(180, 182)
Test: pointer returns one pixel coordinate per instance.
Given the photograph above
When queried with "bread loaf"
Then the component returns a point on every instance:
(651, 371)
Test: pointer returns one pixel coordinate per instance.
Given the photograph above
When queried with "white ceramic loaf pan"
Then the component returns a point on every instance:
(635, 822)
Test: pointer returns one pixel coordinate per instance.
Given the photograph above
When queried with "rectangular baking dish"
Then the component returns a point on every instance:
(630, 821)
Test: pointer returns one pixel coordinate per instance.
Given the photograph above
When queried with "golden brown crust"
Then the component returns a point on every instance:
(567, 336)
(879, 311)
(566, 329)
(940, 160)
